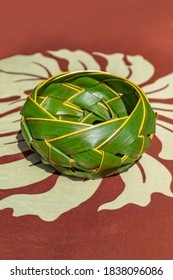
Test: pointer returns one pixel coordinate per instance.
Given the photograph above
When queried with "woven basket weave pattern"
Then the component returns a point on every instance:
(88, 124)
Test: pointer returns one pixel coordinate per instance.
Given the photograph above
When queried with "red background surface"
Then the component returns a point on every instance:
(131, 27)
(145, 27)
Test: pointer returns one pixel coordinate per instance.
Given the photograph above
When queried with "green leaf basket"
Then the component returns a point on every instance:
(88, 124)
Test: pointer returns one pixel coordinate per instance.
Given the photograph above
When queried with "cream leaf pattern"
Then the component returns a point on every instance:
(164, 133)
(77, 60)
(10, 146)
(136, 68)
(19, 75)
(137, 190)
(24, 172)
(21, 72)
(161, 88)
(65, 195)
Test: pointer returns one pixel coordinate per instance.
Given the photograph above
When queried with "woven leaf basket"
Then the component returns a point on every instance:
(88, 124)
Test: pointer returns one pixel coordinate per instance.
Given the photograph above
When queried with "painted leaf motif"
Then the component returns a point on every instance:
(20, 74)
(10, 123)
(65, 195)
(161, 91)
(138, 69)
(11, 147)
(161, 88)
(165, 110)
(77, 60)
(136, 190)
(24, 172)
(23, 72)
(165, 134)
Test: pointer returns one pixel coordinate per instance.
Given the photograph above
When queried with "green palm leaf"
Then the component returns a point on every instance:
(88, 124)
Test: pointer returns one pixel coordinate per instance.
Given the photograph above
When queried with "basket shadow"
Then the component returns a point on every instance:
(35, 159)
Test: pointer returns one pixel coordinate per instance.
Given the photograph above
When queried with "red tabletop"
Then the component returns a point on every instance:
(44, 215)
